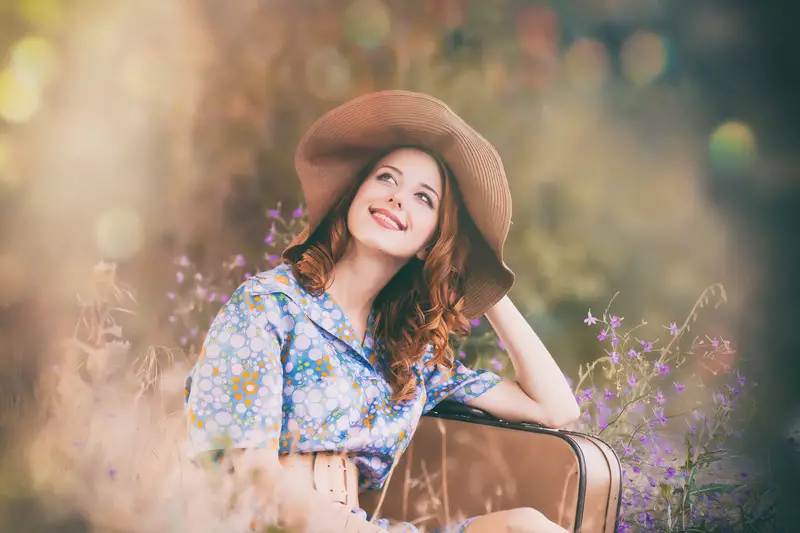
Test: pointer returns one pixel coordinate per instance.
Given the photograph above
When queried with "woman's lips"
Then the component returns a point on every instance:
(387, 219)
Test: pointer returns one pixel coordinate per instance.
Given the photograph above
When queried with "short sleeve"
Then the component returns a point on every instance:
(234, 391)
(459, 383)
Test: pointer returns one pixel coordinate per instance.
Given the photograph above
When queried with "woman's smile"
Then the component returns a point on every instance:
(387, 219)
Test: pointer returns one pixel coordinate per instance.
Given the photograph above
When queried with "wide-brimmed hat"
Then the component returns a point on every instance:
(337, 148)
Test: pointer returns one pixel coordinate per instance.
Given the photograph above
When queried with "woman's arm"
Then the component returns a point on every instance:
(540, 392)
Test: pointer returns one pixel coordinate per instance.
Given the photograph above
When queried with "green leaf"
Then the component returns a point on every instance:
(665, 490)
(713, 487)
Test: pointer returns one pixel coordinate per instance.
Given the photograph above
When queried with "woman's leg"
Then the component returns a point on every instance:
(520, 520)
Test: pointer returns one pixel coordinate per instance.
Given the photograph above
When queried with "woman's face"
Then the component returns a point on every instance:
(396, 208)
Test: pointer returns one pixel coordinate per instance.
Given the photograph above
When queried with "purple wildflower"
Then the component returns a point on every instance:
(496, 364)
(501, 345)
(239, 260)
(608, 394)
(673, 329)
(742, 381)
(680, 387)
(461, 354)
(615, 321)
(603, 335)
(715, 342)
(632, 381)
(614, 357)
(633, 354)
(272, 258)
(274, 213)
(179, 277)
(670, 472)
(661, 368)
(628, 449)
(660, 397)
(586, 394)
(475, 322)
(660, 416)
(297, 213)
(184, 340)
(269, 239)
(614, 341)
(647, 346)
(636, 469)
(590, 320)
(223, 299)
(212, 296)
(660, 461)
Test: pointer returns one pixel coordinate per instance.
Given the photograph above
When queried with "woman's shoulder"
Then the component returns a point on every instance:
(279, 280)
(277, 285)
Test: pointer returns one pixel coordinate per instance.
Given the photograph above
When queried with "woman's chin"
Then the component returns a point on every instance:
(381, 246)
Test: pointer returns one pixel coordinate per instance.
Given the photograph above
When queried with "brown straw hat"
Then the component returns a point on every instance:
(342, 142)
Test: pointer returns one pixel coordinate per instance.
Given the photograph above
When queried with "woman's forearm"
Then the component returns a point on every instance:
(536, 371)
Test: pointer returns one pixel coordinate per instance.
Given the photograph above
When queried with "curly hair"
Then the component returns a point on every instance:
(422, 305)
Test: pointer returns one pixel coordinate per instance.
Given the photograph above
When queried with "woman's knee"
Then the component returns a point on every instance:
(529, 520)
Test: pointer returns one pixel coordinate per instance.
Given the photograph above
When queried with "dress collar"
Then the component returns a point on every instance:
(321, 309)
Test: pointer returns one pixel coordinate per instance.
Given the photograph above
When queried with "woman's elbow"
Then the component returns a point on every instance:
(564, 415)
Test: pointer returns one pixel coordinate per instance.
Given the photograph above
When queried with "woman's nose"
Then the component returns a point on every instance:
(395, 201)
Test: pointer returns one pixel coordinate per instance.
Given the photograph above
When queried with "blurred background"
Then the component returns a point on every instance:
(649, 146)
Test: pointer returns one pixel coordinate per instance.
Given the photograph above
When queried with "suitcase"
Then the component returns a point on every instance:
(463, 462)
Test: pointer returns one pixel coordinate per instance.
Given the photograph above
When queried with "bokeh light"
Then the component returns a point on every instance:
(538, 31)
(586, 64)
(367, 23)
(18, 101)
(42, 13)
(33, 61)
(448, 14)
(644, 57)
(732, 147)
(328, 73)
(119, 233)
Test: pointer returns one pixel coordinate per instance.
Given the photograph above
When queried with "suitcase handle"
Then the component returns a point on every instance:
(451, 408)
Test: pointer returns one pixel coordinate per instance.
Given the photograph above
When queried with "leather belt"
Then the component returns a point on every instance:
(332, 474)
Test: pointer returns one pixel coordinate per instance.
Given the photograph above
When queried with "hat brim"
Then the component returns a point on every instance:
(341, 143)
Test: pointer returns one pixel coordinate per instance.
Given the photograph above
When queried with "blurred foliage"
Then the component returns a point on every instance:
(139, 130)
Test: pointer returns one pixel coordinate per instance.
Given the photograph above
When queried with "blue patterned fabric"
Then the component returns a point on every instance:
(282, 369)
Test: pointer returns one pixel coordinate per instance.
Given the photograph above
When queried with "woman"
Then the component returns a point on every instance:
(329, 360)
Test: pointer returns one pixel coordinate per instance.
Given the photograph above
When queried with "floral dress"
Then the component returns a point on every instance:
(282, 368)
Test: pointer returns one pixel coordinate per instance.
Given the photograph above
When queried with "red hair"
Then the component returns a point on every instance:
(422, 304)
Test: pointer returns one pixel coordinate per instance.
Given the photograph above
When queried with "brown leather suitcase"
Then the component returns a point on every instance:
(464, 462)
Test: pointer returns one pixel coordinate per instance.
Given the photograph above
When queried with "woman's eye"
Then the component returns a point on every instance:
(385, 176)
(426, 198)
